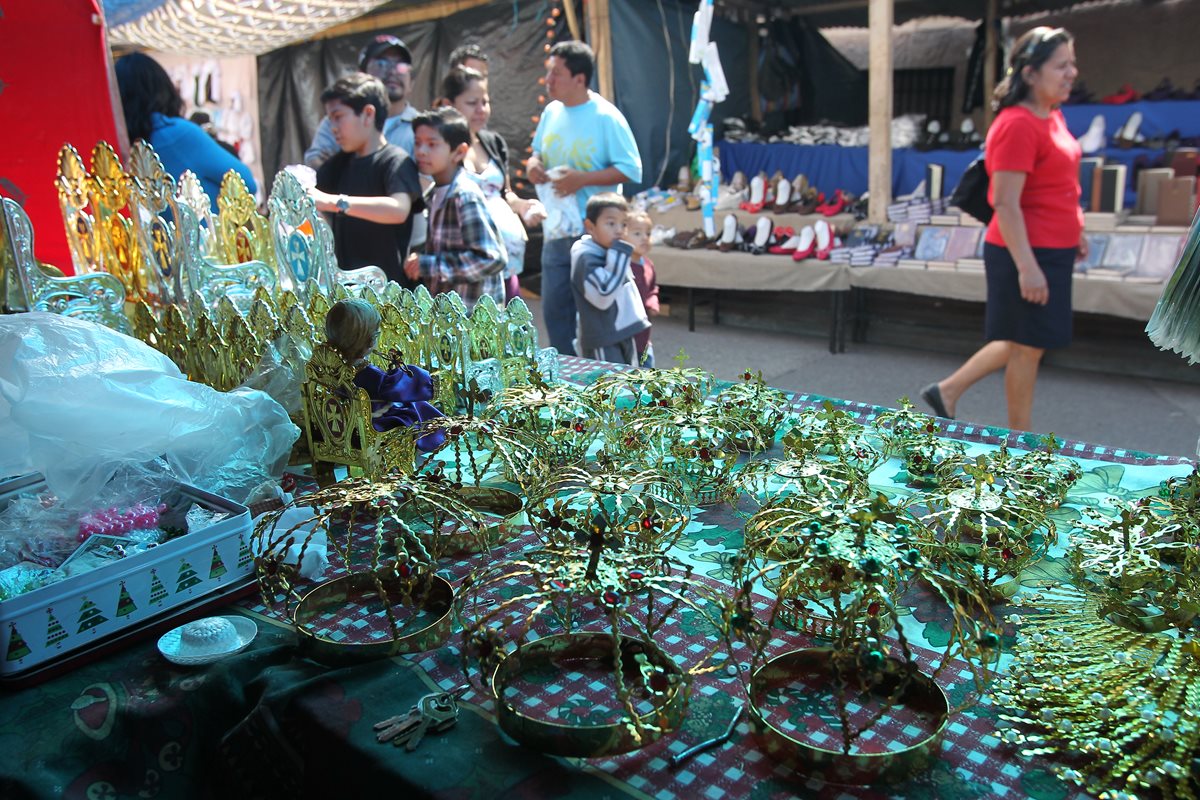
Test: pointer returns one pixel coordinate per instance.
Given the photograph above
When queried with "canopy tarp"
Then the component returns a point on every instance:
(224, 27)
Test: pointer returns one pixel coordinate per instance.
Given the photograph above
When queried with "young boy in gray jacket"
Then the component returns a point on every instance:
(610, 309)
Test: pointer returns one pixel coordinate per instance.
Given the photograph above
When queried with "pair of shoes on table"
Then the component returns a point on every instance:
(815, 241)
(689, 240)
(836, 204)
(932, 395)
(758, 238)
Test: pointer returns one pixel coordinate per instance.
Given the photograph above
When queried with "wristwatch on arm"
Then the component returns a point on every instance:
(343, 204)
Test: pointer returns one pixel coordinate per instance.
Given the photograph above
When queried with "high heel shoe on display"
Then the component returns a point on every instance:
(783, 195)
(811, 199)
(758, 193)
(1127, 135)
(1093, 140)
(762, 237)
(787, 248)
(729, 234)
(824, 243)
(834, 206)
(806, 245)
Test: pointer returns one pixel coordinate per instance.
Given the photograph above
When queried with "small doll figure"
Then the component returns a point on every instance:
(399, 396)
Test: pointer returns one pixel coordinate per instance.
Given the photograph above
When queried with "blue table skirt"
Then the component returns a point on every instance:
(830, 167)
(1158, 118)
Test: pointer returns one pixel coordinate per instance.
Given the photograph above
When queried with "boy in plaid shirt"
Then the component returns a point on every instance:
(464, 252)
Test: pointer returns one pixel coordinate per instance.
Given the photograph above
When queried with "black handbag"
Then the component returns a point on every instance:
(971, 194)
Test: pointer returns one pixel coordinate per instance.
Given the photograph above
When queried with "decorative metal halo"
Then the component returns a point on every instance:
(828, 561)
(373, 539)
(1044, 474)
(988, 529)
(699, 447)
(558, 605)
(558, 420)
(1114, 707)
(425, 601)
(817, 668)
(674, 389)
(1123, 562)
(831, 431)
(903, 427)
(480, 452)
(861, 562)
(757, 406)
(643, 511)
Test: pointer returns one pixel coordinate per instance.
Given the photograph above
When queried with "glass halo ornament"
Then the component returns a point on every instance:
(560, 420)
(593, 621)
(819, 709)
(383, 571)
(757, 406)
(1123, 561)
(640, 511)
(986, 528)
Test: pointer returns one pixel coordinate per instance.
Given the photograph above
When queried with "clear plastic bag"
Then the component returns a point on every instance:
(563, 218)
(79, 400)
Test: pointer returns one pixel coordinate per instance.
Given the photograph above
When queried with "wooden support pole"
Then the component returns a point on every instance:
(880, 15)
(990, 43)
(572, 20)
(600, 38)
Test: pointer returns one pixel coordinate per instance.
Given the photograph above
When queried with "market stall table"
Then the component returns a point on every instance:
(268, 723)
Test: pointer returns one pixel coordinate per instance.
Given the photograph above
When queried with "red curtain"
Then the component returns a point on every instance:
(54, 89)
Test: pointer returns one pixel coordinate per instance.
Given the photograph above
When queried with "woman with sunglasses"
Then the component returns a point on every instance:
(1036, 234)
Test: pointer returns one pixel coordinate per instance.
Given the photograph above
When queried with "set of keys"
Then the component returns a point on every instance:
(433, 713)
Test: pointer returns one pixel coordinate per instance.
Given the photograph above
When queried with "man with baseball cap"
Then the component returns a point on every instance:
(387, 58)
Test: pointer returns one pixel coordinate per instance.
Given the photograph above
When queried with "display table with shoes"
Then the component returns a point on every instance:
(267, 722)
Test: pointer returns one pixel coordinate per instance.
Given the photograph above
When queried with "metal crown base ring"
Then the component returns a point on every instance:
(433, 594)
(588, 741)
(835, 766)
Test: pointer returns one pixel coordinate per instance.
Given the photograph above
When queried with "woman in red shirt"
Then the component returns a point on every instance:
(1035, 236)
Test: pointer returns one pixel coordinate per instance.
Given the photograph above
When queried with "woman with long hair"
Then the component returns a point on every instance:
(154, 112)
(1036, 234)
(466, 90)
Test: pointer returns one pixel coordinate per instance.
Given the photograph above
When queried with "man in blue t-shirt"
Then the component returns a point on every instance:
(582, 146)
